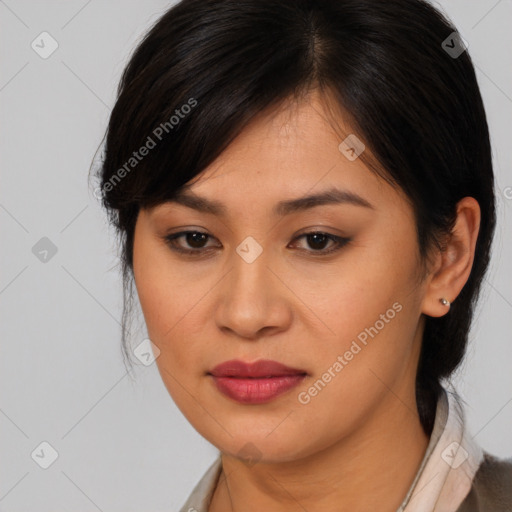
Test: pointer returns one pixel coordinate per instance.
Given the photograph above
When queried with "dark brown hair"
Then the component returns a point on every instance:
(207, 67)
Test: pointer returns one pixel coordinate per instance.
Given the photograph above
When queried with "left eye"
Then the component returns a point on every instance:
(196, 239)
(317, 240)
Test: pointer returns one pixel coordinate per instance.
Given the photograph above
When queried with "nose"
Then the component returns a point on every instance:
(252, 300)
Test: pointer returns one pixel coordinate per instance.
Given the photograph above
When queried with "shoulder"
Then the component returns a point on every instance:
(491, 490)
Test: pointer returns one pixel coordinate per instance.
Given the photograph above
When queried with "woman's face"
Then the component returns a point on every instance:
(345, 314)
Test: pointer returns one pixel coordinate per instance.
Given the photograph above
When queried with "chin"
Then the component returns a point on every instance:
(254, 445)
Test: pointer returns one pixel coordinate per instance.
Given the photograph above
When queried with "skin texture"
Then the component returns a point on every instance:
(358, 442)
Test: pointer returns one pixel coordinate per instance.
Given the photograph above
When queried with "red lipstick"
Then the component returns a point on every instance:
(255, 383)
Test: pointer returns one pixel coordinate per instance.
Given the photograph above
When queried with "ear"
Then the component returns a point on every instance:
(452, 266)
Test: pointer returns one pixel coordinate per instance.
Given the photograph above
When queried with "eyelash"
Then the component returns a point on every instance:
(339, 241)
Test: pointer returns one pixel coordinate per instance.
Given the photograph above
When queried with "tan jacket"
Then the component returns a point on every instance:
(492, 487)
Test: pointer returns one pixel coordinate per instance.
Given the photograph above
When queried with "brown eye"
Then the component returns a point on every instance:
(195, 241)
(317, 240)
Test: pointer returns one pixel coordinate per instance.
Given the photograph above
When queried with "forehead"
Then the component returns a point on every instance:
(283, 156)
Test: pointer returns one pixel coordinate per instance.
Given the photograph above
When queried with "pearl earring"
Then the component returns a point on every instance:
(444, 302)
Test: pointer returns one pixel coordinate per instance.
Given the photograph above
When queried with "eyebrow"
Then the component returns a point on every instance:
(282, 208)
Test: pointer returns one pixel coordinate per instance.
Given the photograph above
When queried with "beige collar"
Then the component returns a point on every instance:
(452, 458)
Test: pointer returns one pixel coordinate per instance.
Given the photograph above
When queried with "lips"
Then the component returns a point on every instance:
(255, 383)
(258, 369)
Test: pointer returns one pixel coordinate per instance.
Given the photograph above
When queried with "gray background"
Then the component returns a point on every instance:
(123, 445)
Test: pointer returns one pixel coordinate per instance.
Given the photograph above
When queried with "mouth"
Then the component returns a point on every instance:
(255, 383)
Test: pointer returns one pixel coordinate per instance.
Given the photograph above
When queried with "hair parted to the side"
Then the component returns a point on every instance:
(207, 67)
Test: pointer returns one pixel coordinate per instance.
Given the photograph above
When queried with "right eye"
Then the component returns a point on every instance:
(194, 239)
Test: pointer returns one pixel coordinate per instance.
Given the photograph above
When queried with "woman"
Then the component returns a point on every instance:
(304, 196)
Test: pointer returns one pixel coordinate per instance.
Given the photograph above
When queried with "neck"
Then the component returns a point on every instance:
(372, 469)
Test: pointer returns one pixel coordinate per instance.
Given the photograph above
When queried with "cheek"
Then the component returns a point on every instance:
(171, 305)
(162, 296)
(154, 290)
(372, 312)
(365, 287)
